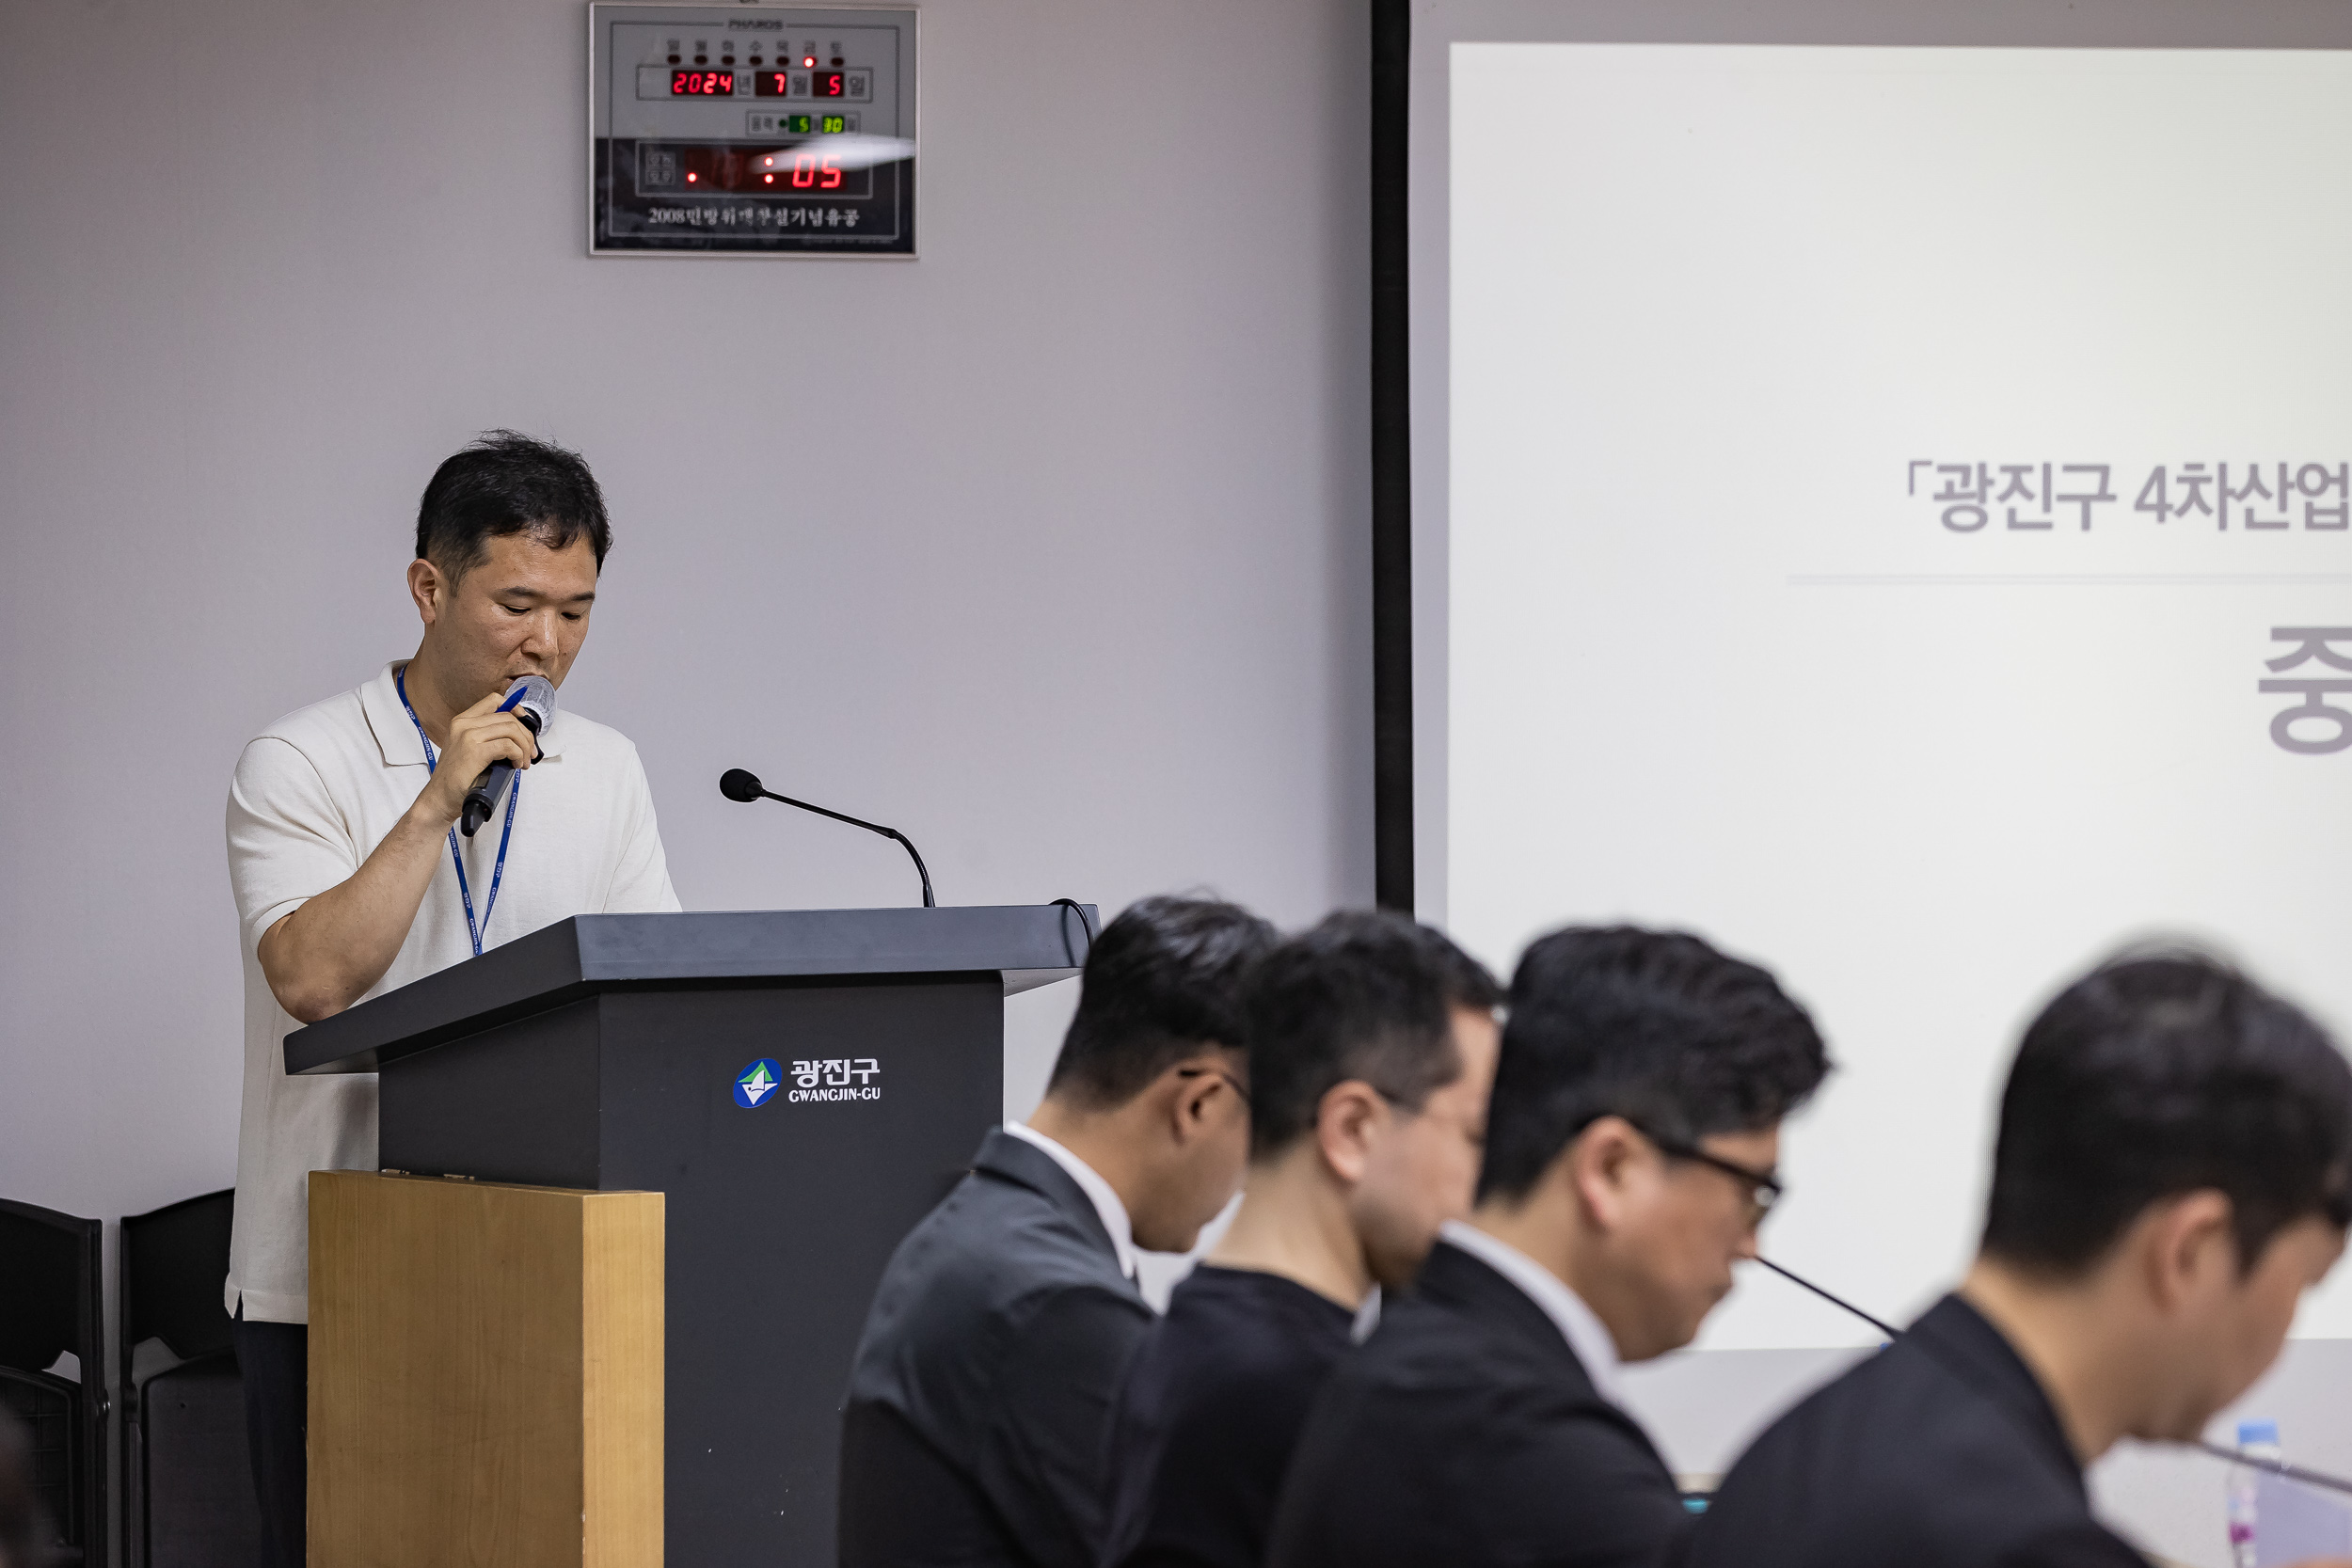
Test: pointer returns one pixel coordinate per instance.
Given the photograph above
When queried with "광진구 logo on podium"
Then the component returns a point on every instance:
(758, 1082)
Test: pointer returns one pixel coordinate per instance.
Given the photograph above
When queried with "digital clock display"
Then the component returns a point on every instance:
(753, 129)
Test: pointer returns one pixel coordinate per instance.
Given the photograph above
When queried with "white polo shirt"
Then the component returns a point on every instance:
(314, 795)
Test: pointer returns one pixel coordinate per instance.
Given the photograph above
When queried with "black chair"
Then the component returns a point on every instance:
(187, 1478)
(50, 1305)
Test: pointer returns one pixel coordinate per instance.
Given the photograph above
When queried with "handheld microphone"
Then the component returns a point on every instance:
(2236, 1456)
(530, 699)
(738, 784)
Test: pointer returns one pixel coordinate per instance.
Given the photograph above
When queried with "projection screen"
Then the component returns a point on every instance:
(1878, 499)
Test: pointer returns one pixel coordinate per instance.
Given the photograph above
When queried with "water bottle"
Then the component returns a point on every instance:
(2256, 1440)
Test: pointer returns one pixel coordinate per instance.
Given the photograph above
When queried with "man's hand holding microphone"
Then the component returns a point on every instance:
(524, 708)
(483, 736)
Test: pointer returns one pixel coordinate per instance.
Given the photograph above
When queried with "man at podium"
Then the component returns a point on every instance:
(352, 879)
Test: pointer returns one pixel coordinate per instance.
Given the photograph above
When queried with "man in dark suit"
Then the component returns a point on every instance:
(992, 1355)
(1630, 1145)
(1371, 1048)
(2174, 1170)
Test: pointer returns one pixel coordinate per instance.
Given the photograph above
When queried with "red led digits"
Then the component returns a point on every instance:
(702, 83)
(827, 84)
(721, 169)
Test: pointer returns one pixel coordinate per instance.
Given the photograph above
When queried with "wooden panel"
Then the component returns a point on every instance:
(485, 1374)
(621, 1396)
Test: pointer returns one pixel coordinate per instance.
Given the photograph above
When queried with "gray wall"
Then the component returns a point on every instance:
(1048, 547)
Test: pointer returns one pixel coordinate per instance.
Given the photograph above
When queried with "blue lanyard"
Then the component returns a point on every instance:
(498, 870)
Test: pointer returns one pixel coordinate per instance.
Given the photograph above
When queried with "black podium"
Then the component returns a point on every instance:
(803, 1085)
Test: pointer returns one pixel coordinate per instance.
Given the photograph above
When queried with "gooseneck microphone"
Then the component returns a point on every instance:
(530, 699)
(738, 784)
(1794, 1278)
(2236, 1456)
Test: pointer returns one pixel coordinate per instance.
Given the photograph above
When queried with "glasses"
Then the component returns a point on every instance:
(1230, 1081)
(1764, 1188)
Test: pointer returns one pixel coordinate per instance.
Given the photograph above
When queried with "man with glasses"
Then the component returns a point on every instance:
(1630, 1145)
(1372, 1045)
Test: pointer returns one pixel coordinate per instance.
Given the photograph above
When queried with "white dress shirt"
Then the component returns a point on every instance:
(314, 795)
(1101, 1192)
(1579, 1325)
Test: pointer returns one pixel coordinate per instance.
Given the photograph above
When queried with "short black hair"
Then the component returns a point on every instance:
(1654, 1026)
(2159, 1073)
(506, 482)
(1361, 995)
(1163, 981)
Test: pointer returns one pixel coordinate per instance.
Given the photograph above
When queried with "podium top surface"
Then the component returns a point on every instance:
(1028, 944)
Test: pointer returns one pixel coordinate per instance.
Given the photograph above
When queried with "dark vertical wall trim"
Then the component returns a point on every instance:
(1392, 466)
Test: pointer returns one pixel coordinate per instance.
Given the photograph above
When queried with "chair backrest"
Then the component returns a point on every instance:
(52, 1305)
(170, 1265)
(52, 1300)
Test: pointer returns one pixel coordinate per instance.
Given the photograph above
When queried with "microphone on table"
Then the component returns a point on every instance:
(2236, 1456)
(738, 784)
(530, 699)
